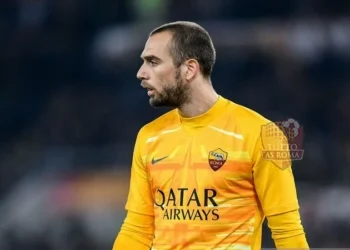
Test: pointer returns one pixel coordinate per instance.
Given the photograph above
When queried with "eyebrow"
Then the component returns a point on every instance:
(150, 58)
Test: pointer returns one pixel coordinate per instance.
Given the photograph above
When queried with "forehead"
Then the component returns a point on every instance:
(158, 45)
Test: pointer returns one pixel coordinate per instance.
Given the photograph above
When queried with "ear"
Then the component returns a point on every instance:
(192, 68)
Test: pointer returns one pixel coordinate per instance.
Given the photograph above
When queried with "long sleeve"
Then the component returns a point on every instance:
(287, 231)
(273, 177)
(137, 231)
(276, 190)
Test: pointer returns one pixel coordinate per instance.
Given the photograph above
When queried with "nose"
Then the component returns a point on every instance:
(141, 74)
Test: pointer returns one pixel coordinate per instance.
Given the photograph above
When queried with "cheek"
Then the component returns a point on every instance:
(162, 77)
(165, 74)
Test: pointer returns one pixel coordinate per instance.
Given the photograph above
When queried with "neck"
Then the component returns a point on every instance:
(203, 97)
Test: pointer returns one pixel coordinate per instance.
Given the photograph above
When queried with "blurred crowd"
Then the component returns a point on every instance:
(64, 110)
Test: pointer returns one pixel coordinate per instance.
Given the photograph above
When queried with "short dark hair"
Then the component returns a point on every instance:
(190, 41)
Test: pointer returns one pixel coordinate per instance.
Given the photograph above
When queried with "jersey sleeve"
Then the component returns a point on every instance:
(140, 199)
(137, 231)
(287, 231)
(273, 176)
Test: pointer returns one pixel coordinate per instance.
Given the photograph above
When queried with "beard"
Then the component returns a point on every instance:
(172, 95)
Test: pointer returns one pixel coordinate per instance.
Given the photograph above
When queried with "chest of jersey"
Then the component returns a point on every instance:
(208, 170)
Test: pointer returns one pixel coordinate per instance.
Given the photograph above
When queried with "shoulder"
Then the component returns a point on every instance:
(166, 121)
(248, 123)
(247, 118)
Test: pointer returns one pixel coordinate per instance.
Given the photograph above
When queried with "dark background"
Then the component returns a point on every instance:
(71, 106)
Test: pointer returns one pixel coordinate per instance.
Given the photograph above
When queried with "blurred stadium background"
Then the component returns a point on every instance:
(71, 106)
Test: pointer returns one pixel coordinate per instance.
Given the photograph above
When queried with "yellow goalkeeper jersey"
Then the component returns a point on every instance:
(205, 180)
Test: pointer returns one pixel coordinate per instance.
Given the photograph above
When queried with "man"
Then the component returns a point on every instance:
(198, 178)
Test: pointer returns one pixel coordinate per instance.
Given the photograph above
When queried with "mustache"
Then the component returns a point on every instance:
(146, 85)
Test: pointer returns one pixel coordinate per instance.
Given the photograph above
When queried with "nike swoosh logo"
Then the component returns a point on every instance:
(154, 161)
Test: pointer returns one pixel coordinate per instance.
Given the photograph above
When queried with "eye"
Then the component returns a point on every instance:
(153, 63)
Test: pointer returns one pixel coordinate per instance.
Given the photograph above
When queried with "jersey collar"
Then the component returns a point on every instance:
(208, 116)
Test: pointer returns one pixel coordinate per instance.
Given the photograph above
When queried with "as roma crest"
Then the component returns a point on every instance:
(217, 158)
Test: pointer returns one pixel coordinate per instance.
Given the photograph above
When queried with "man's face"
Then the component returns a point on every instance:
(163, 80)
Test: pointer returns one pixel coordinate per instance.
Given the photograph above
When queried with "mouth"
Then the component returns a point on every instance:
(150, 90)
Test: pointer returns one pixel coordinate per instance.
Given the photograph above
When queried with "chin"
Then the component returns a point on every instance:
(155, 103)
